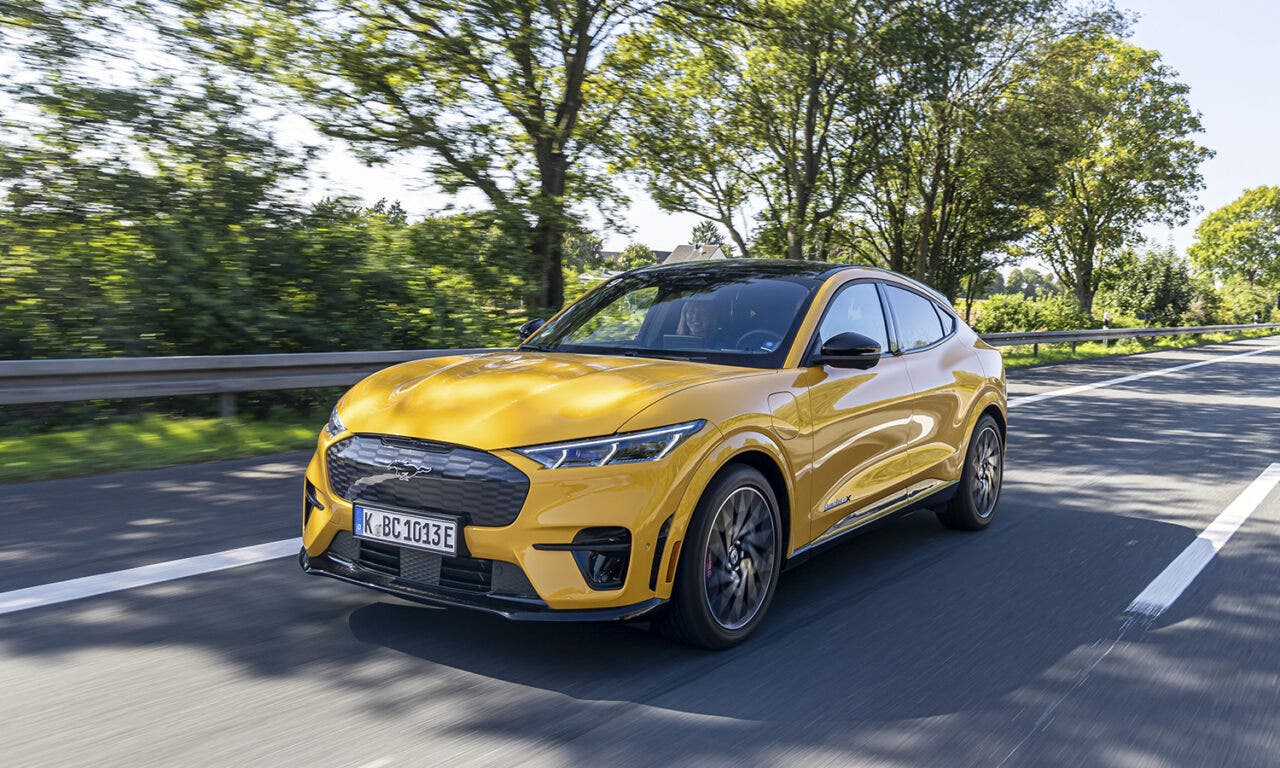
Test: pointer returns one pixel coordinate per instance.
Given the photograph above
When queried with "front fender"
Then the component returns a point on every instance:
(730, 449)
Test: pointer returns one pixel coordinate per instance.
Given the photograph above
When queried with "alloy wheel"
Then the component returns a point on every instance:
(988, 465)
(739, 558)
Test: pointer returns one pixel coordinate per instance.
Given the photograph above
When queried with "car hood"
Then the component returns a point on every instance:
(510, 399)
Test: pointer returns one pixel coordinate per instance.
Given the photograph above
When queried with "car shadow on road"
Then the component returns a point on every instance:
(907, 625)
(909, 621)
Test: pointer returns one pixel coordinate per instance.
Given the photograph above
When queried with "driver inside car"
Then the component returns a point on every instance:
(697, 319)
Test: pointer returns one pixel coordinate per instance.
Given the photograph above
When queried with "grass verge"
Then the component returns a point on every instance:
(153, 441)
(1022, 357)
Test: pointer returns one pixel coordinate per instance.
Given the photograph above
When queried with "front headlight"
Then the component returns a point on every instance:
(628, 448)
(335, 426)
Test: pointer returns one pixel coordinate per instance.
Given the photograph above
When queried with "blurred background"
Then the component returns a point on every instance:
(208, 177)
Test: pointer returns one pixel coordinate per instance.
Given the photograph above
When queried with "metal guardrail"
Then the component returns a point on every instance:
(61, 381)
(1111, 334)
(58, 381)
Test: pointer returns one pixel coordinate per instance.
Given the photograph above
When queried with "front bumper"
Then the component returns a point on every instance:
(647, 499)
(516, 609)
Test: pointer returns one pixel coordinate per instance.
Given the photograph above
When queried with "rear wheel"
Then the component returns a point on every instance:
(974, 504)
(729, 563)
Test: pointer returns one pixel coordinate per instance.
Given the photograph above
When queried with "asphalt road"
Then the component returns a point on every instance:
(910, 645)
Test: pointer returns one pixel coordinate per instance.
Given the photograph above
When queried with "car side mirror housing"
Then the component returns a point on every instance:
(849, 350)
(530, 327)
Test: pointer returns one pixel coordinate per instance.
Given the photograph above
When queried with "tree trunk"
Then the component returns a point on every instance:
(922, 240)
(1084, 287)
(1084, 295)
(795, 244)
(744, 252)
(549, 230)
(968, 294)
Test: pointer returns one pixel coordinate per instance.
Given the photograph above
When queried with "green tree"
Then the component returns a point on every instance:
(1156, 282)
(976, 144)
(1138, 161)
(493, 91)
(1029, 281)
(583, 250)
(706, 233)
(637, 255)
(1245, 303)
(1242, 238)
(775, 102)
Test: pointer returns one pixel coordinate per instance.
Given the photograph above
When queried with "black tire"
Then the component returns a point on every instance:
(704, 576)
(973, 506)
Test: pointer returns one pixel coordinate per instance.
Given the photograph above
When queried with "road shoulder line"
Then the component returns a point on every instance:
(1167, 587)
(89, 586)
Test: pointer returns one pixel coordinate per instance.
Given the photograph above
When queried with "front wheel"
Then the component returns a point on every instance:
(974, 504)
(729, 563)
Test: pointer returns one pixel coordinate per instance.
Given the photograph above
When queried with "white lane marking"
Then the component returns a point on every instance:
(1169, 585)
(1134, 377)
(88, 586)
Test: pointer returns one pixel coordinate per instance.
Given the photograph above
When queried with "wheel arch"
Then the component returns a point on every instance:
(998, 414)
(751, 449)
(767, 466)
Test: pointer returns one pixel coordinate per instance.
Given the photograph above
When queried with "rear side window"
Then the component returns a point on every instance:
(918, 323)
(948, 322)
(855, 308)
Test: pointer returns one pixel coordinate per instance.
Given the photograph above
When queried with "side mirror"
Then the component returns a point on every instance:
(530, 327)
(849, 350)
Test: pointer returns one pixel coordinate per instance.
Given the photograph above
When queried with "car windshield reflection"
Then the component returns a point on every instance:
(717, 313)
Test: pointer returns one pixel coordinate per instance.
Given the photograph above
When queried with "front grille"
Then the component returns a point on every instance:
(428, 569)
(426, 476)
(383, 558)
(467, 573)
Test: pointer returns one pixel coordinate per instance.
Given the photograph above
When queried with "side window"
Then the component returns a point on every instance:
(918, 323)
(855, 308)
(948, 321)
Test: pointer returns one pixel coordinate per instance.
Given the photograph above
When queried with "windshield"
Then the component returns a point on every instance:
(717, 315)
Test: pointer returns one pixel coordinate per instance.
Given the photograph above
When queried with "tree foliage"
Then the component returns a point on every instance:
(1156, 284)
(775, 102)
(1029, 281)
(1137, 163)
(706, 233)
(161, 218)
(146, 207)
(977, 142)
(637, 255)
(1004, 312)
(494, 92)
(1242, 238)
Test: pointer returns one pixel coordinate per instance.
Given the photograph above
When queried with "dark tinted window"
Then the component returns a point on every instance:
(856, 308)
(918, 323)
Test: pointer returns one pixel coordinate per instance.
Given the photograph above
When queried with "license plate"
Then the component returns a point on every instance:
(430, 533)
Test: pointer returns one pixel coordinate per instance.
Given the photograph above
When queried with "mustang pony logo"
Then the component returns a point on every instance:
(406, 471)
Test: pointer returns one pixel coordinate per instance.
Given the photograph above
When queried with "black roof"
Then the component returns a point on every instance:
(812, 270)
(754, 267)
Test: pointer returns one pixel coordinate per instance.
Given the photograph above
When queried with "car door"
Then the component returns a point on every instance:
(945, 375)
(859, 417)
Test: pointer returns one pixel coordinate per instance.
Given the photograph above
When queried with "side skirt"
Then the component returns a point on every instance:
(872, 516)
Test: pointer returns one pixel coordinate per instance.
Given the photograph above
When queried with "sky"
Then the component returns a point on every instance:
(1224, 50)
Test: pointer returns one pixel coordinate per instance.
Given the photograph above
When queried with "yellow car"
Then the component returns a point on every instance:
(664, 446)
